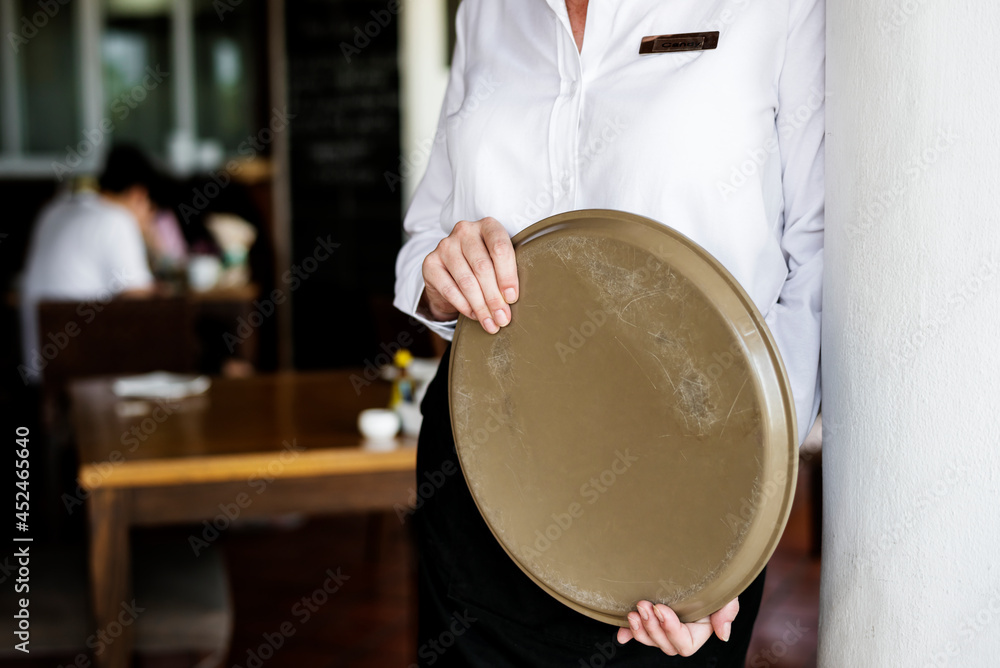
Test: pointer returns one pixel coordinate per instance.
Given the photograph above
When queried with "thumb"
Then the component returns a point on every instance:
(722, 619)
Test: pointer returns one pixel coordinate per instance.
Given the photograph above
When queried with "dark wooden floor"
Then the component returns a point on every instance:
(278, 573)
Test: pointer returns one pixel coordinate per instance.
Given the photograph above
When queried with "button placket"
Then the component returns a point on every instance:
(564, 137)
(572, 86)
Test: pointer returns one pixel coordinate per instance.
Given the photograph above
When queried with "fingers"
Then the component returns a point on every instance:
(470, 272)
(477, 256)
(444, 298)
(456, 283)
(687, 638)
(722, 619)
(659, 626)
(652, 626)
(638, 628)
(645, 627)
(502, 251)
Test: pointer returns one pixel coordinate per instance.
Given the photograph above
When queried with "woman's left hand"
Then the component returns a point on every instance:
(658, 626)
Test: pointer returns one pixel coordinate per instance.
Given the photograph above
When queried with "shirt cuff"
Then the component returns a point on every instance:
(444, 329)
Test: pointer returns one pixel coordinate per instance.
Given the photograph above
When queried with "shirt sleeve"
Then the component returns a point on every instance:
(795, 318)
(126, 264)
(422, 222)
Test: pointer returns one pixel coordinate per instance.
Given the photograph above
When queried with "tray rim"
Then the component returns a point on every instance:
(569, 219)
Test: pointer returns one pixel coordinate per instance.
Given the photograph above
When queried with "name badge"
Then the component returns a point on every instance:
(690, 41)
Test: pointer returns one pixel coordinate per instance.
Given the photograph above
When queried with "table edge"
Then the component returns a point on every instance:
(248, 466)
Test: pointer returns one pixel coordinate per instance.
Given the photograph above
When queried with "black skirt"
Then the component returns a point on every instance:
(476, 606)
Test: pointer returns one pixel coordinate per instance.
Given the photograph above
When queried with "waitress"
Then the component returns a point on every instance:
(551, 107)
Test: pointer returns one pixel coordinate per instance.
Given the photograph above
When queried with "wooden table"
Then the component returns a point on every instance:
(248, 447)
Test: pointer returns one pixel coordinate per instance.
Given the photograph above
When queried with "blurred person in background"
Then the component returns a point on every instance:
(90, 246)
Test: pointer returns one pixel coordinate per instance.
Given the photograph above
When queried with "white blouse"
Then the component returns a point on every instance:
(723, 145)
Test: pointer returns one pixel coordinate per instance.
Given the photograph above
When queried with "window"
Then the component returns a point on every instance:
(228, 62)
(47, 61)
(180, 78)
(138, 97)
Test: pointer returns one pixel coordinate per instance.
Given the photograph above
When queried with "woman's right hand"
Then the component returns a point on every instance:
(473, 272)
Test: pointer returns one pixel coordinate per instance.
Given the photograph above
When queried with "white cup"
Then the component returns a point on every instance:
(203, 272)
(378, 424)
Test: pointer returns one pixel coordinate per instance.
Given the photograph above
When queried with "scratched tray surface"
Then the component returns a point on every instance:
(630, 435)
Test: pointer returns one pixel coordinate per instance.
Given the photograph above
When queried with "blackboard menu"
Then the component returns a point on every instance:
(343, 94)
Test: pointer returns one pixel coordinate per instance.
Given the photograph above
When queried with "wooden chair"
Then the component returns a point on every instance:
(131, 336)
(81, 339)
(123, 336)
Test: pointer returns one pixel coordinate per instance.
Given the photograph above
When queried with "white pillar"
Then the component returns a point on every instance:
(911, 334)
(423, 76)
(183, 143)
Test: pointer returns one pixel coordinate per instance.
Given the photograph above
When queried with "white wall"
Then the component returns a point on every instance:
(911, 368)
(423, 76)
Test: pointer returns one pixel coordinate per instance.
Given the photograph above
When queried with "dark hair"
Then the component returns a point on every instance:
(127, 166)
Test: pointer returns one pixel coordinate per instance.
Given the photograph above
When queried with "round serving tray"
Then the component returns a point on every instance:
(630, 434)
